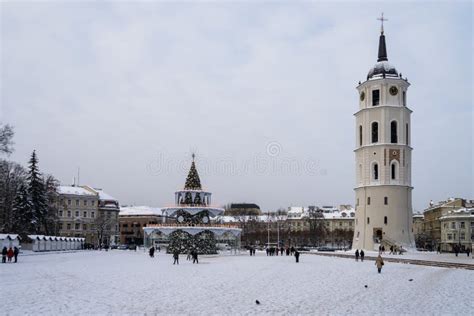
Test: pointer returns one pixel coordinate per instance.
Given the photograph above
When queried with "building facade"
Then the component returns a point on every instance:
(106, 223)
(77, 211)
(133, 219)
(88, 213)
(457, 230)
(383, 158)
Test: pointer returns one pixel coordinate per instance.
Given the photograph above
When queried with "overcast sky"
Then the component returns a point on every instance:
(263, 93)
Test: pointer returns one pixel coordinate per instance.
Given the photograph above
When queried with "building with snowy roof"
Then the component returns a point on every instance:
(9, 240)
(89, 213)
(438, 222)
(132, 220)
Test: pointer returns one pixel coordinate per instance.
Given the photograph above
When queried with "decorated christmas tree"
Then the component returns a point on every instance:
(192, 181)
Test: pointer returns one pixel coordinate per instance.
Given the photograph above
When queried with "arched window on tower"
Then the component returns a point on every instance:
(393, 132)
(375, 132)
(360, 135)
(406, 134)
(375, 171)
(393, 170)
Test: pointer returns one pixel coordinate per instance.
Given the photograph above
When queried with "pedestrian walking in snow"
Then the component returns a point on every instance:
(282, 250)
(287, 251)
(357, 254)
(152, 252)
(188, 257)
(456, 250)
(362, 254)
(292, 250)
(4, 254)
(297, 256)
(195, 256)
(468, 251)
(176, 257)
(10, 254)
(379, 263)
(16, 251)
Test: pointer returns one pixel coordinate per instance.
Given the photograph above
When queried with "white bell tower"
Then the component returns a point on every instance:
(383, 158)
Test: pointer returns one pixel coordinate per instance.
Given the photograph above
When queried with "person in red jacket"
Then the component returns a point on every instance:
(10, 254)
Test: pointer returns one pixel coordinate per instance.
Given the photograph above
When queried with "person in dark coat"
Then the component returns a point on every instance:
(195, 256)
(357, 254)
(297, 256)
(287, 251)
(292, 250)
(4, 254)
(16, 251)
(152, 252)
(362, 254)
(456, 250)
(10, 254)
(282, 250)
(176, 257)
(468, 251)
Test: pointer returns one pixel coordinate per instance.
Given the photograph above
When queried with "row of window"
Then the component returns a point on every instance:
(462, 225)
(376, 97)
(375, 133)
(78, 226)
(385, 200)
(393, 171)
(85, 214)
(385, 220)
(77, 202)
(76, 214)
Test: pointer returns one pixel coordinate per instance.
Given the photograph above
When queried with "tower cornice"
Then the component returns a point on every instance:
(387, 79)
(383, 185)
(405, 108)
(375, 145)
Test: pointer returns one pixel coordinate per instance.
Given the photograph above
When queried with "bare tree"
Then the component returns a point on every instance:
(102, 227)
(6, 136)
(12, 177)
(317, 228)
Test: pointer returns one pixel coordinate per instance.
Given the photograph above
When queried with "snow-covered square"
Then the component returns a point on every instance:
(129, 282)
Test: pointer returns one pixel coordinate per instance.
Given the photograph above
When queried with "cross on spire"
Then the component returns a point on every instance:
(381, 19)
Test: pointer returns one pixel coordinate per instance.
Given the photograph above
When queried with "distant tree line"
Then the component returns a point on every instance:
(27, 198)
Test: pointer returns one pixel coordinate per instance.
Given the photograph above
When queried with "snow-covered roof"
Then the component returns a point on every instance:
(340, 214)
(43, 237)
(105, 196)
(140, 210)
(74, 190)
(9, 236)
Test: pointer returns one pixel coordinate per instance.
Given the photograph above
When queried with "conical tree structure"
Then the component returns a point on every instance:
(192, 181)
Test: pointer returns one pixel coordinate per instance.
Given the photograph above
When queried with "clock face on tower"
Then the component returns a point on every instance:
(362, 96)
(393, 90)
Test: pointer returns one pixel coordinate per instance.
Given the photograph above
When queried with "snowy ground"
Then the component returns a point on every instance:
(418, 255)
(128, 282)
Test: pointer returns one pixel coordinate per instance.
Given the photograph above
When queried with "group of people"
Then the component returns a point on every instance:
(192, 254)
(274, 251)
(10, 253)
(378, 262)
(361, 254)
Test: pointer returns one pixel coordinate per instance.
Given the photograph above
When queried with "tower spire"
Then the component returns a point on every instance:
(382, 56)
